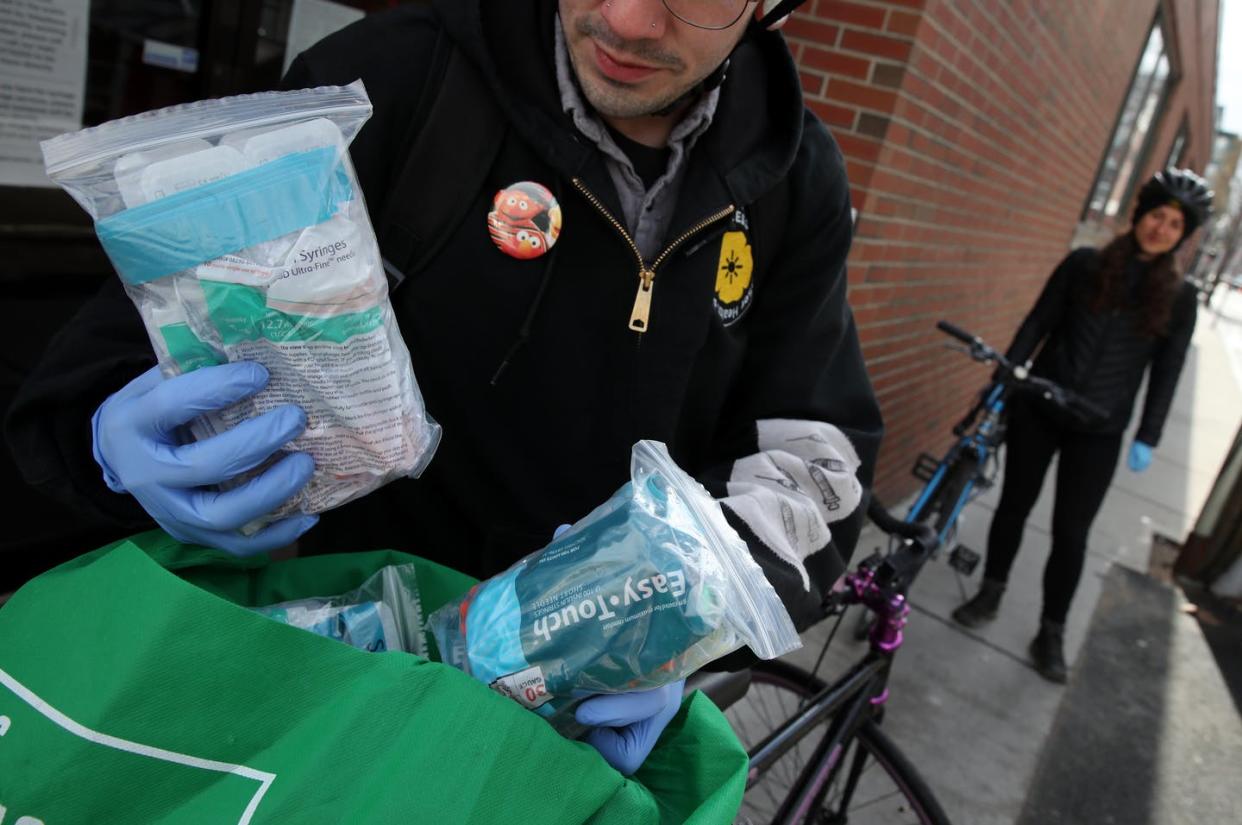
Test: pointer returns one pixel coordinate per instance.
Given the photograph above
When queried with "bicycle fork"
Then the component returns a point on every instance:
(816, 777)
(892, 611)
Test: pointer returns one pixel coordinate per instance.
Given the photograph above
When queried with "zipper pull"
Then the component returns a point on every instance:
(642, 301)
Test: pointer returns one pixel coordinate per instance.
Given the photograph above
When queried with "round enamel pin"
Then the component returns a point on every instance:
(525, 220)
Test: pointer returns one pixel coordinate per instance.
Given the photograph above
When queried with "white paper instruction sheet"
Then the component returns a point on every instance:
(42, 81)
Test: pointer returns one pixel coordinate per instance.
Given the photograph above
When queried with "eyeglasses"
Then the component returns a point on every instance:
(707, 14)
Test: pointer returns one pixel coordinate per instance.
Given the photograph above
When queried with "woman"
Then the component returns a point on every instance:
(1105, 317)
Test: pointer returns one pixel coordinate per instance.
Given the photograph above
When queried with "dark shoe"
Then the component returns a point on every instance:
(1047, 652)
(982, 608)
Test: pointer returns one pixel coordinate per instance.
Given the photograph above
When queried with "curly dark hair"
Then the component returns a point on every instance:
(1160, 287)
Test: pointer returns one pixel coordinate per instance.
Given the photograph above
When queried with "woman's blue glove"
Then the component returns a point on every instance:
(626, 726)
(135, 444)
(1140, 457)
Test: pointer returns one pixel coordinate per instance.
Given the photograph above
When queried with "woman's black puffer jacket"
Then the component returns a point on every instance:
(1102, 356)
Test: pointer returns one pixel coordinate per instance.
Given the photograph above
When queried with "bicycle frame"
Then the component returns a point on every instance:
(827, 702)
(849, 701)
(982, 443)
(812, 784)
(881, 583)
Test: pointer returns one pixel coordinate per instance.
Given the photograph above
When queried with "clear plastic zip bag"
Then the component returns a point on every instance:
(645, 590)
(384, 614)
(239, 231)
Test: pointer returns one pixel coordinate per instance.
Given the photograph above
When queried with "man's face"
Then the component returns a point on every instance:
(634, 58)
(1159, 230)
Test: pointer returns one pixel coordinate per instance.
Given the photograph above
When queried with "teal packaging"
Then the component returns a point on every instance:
(649, 587)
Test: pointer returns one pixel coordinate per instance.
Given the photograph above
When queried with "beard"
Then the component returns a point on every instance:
(615, 99)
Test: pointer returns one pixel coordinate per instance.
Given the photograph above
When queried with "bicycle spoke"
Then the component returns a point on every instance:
(864, 787)
(856, 806)
(769, 790)
(878, 799)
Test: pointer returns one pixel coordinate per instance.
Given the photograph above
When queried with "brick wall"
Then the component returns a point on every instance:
(972, 131)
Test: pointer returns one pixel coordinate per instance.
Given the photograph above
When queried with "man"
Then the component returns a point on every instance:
(692, 292)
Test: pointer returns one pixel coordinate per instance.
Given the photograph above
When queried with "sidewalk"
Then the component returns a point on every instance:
(965, 707)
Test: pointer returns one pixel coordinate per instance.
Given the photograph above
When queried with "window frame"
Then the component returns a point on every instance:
(1169, 52)
(1180, 145)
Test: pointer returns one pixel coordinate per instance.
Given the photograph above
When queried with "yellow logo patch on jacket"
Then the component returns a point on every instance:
(734, 276)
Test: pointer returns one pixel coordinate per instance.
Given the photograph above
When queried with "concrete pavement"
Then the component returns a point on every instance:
(966, 707)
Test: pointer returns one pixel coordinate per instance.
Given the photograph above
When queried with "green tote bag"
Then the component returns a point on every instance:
(135, 687)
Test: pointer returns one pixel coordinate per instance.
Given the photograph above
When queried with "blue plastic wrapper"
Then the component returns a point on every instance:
(649, 587)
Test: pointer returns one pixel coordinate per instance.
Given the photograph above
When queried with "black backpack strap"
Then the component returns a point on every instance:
(453, 139)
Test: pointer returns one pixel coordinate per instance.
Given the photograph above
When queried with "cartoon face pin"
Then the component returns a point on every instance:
(525, 220)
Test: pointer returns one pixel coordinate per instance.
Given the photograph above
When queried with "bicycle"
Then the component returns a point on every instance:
(815, 748)
(970, 466)
(851, 772)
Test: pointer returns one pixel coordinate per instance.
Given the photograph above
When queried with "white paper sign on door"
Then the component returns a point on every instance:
(42, 81)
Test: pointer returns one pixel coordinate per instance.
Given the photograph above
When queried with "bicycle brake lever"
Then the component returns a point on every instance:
(981, 352)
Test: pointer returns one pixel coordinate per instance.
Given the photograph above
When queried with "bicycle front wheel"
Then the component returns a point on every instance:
(871, 784)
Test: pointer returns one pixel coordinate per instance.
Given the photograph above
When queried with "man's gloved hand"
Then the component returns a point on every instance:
(626, 726)
(135, 444)
(1140, 457)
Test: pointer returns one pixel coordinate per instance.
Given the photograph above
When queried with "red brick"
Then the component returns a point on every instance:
(832, 114)
(877, 44)
(812, 84)
(822, 33)
(902, 22)
(860, 94)
(853, 13)
(859, 174)
(834, 62)
(858, 147)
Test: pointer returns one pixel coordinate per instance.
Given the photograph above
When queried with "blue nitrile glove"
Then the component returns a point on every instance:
(626, 726)
(1140, 456)
(135, 443)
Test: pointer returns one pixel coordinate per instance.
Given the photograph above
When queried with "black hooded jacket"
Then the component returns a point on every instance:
(1103, 356)
(765, 399)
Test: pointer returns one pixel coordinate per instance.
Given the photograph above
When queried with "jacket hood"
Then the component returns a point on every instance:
(515, 51)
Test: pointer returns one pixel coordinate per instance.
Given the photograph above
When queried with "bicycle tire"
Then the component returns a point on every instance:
(893, 794)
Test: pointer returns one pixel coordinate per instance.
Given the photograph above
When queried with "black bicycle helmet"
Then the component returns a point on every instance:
(1181, 187)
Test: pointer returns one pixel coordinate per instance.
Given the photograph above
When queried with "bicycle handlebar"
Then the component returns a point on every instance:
(899, 568)
(1065, 398)
(918, 532)
(1020, 380)
(957, 332)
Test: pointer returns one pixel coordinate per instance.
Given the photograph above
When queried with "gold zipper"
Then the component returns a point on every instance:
(641, 312)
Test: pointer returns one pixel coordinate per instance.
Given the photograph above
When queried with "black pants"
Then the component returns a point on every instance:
(1084, 473)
